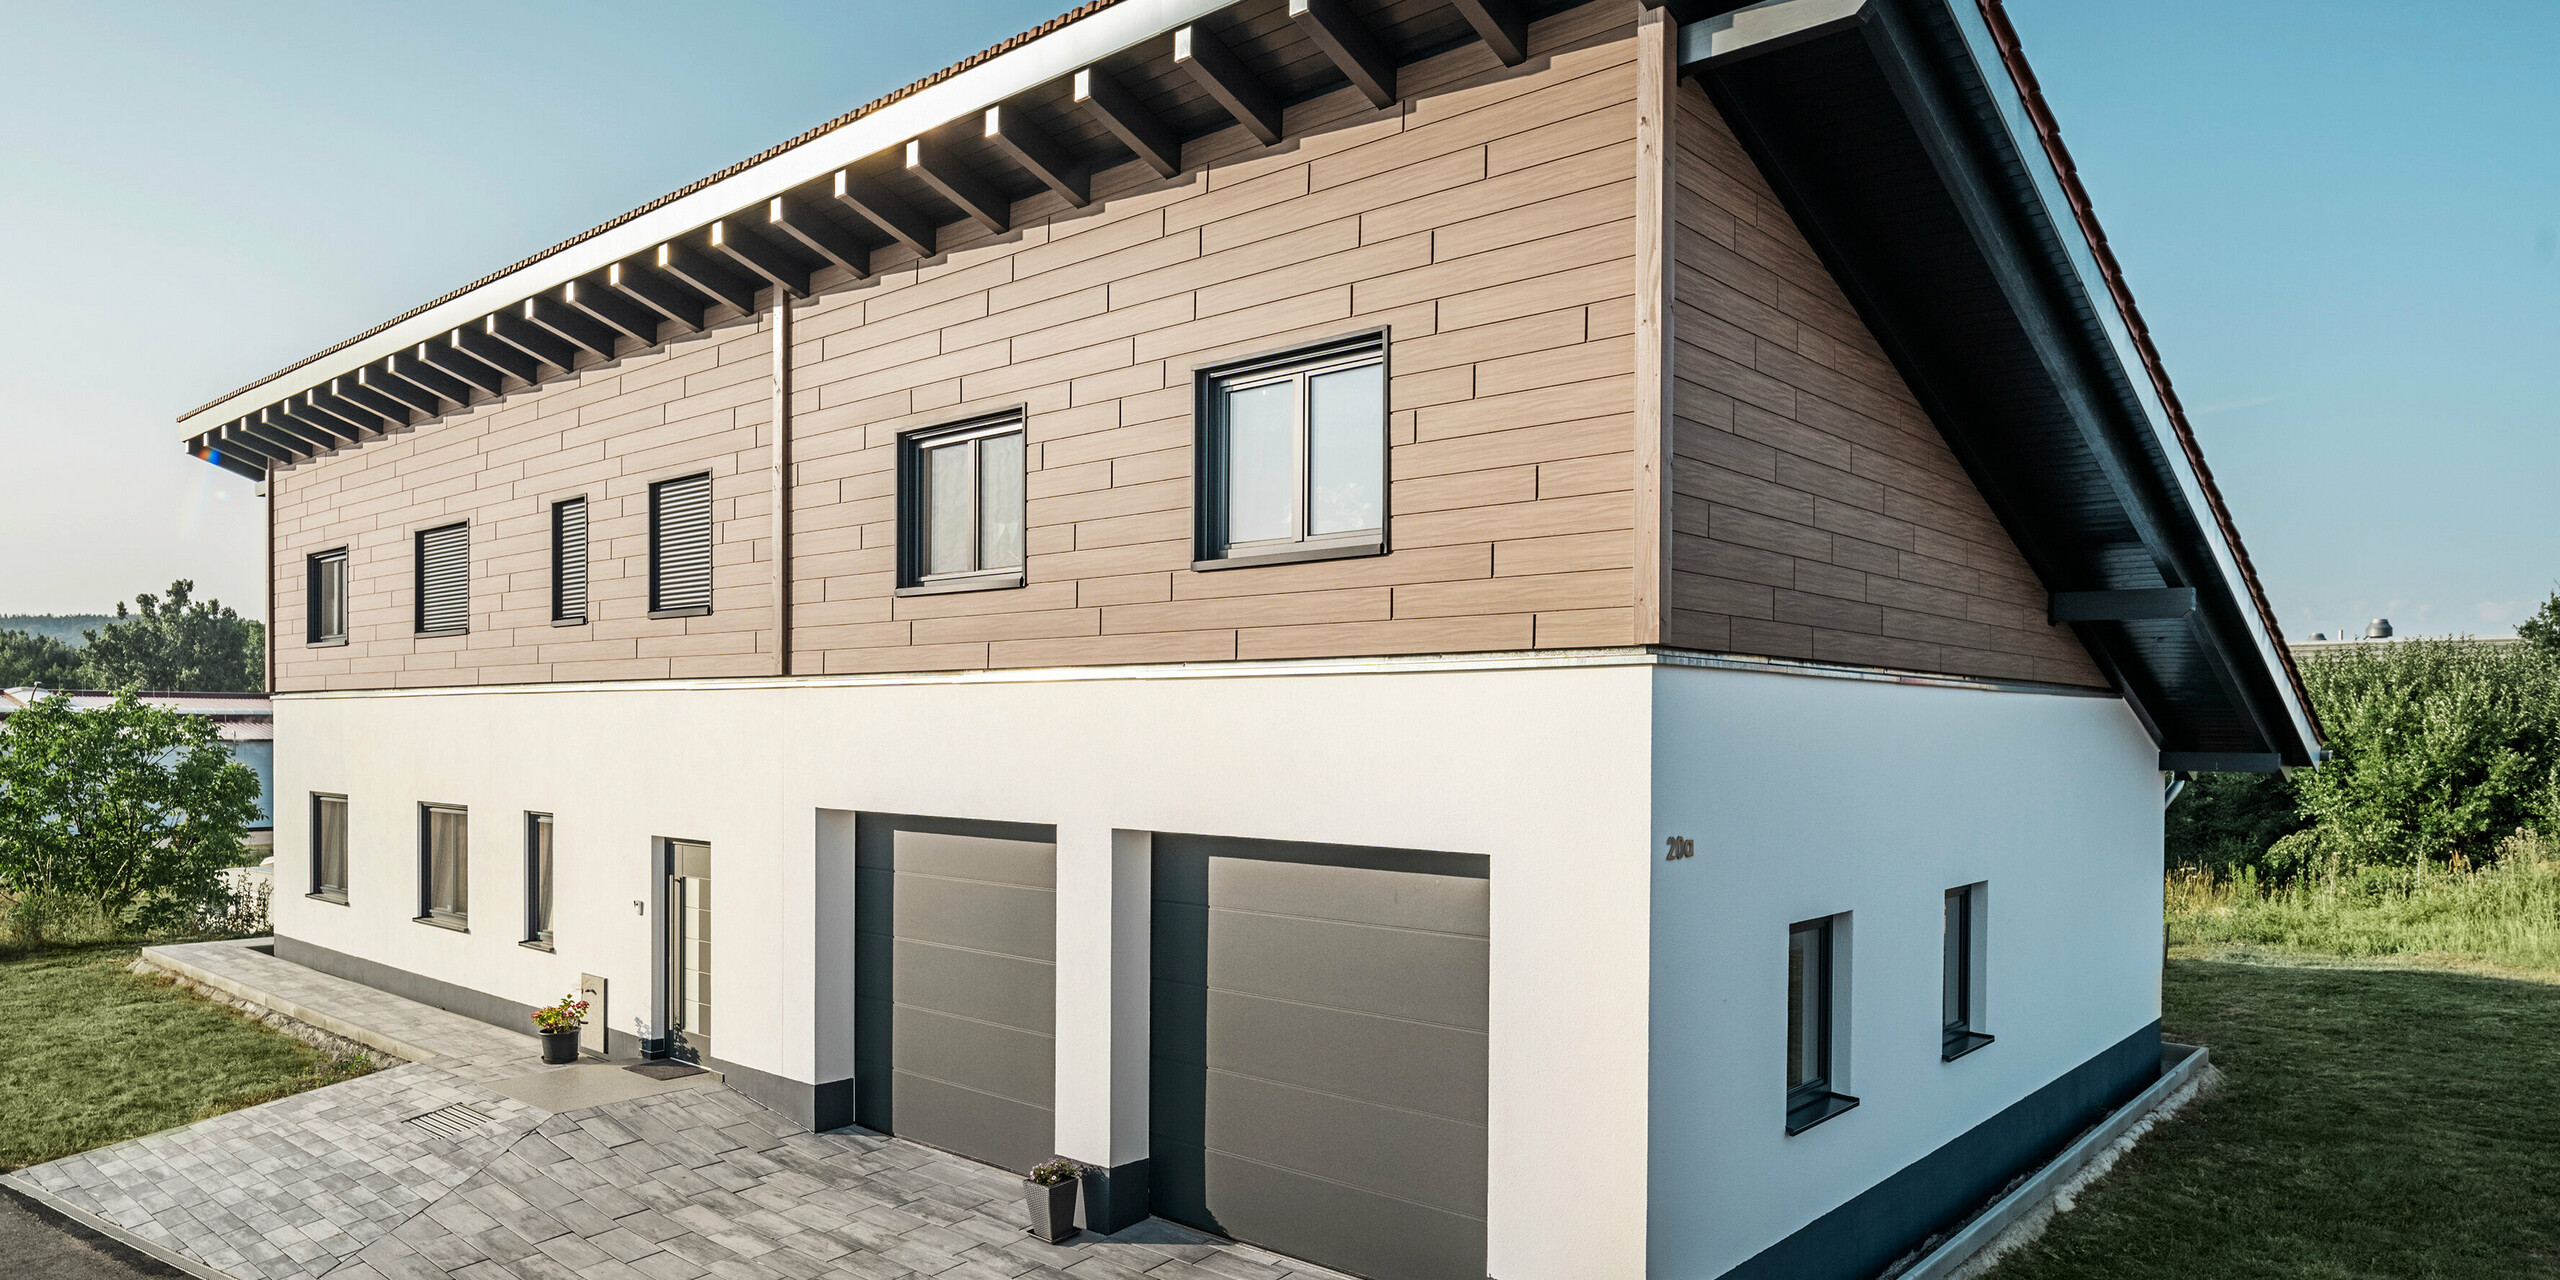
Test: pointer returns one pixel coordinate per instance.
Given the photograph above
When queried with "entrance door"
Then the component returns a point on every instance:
(688, 951)
(1319, 1073)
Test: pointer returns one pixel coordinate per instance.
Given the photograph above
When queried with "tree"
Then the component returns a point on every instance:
(181, 644)
(27, 658)
(2542, 630)
(130, 810)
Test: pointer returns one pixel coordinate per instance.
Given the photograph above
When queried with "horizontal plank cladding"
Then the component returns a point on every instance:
(1486, 222)
(703, 403)
(1816, 511)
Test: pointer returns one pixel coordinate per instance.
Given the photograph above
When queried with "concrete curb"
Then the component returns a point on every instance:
(161, 1254)
(160, 958)
(2181, 1064)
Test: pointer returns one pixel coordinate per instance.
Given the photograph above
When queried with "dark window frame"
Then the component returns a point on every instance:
(657, 546)
(1210, 548)
(914, 579)
(1813, 1101)
(321, 889)
(541, 878)
(316, 567)
(1960, 973)
(428, 911)
(560, 615)
(418, 554)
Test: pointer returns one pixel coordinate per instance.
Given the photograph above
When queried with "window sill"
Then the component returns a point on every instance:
(535, 944)
(701, 612)
(449, 631)
(991, 582)
(456, 925)
(339, 898)
(1805, 1115)
(568, 622)
(1292, 555)
(1960, 1043)
(335, 642)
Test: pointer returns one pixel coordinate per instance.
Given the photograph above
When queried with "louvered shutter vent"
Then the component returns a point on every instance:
(680, 544)
(444, 579)
(569, 561)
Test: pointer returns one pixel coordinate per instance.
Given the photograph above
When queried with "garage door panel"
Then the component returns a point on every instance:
(975, 1055)
(1393, 1152)
(1006, 990)
(964, 857)
(1431, 977)
(1353, 895)
(1006, 919)
(1388, 1061)
(981, 1126)
(1312, 1218)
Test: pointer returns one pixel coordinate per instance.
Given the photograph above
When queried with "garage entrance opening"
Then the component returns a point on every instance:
(955, 984)
(1319, 1051)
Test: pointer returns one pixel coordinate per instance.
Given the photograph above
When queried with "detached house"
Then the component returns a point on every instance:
(1453, 637)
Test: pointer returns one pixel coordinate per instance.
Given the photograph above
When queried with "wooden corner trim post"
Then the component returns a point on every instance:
(781, 479)
(1657, 76)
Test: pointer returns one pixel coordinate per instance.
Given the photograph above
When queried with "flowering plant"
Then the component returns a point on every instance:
(568, 1015)
(1055, 1170)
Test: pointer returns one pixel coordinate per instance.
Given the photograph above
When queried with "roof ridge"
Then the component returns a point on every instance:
(1089, 8)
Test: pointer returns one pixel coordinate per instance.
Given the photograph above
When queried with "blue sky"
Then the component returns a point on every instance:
(2343, 223)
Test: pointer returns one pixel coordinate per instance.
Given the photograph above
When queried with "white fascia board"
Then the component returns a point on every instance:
(1059, 54)
(2048, 183)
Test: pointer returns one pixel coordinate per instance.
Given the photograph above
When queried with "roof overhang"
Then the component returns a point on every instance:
(1910, 144)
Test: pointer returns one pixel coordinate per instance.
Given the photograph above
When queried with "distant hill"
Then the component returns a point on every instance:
(65, 627)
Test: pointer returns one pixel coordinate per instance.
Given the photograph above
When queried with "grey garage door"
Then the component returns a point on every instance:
(956, 949)
(1319, 1071)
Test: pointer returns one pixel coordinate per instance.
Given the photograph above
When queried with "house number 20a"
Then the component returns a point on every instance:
(1674, 848)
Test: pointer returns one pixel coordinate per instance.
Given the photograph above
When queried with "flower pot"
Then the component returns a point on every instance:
(559, 1046)
(1053, 1209)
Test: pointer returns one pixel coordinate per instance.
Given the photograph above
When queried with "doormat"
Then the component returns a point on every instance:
(665, 1070)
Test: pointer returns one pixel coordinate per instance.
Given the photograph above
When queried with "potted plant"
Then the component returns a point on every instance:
(1051, 1193)
(558, 1025)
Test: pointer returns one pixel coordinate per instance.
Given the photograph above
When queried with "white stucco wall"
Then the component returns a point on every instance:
(1540, 766)
(1811, 797)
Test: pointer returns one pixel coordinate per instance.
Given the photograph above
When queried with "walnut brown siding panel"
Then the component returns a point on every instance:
(1817, 512)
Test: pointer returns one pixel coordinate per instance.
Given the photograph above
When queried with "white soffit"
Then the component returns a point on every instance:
(1055, 56)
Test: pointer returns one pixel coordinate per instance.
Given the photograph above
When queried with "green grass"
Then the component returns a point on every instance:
(2504, 918)
(2376, 1122)
(96, 1055)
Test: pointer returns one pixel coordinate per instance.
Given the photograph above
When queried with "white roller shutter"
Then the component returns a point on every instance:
(444, 579)
(680, 545)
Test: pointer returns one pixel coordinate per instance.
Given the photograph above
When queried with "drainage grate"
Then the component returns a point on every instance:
(454, 1121)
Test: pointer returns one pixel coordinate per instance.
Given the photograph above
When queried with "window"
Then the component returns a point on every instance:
(1293, 456)
(680, 547)
(444, 857)
(1961, 983)
(444, 580)
(960, 491)
(329, 847)
(537, 879)
(569, 562)
(326, 597)
(1812, 1025)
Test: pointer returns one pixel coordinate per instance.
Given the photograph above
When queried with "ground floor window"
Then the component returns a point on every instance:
(537, 878)
(443, 865)
(1961, 973)
(1812, 1030)
(329, 847)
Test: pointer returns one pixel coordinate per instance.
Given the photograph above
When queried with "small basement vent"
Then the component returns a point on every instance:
(456, 1121)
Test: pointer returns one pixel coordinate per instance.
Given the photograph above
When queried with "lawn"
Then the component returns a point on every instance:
(97, 1055)
(2381, 1119)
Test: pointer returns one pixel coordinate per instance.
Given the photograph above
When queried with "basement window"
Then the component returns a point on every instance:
(1961, 978)
(960, 506)
(1812, 1030)
(1293, 456)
